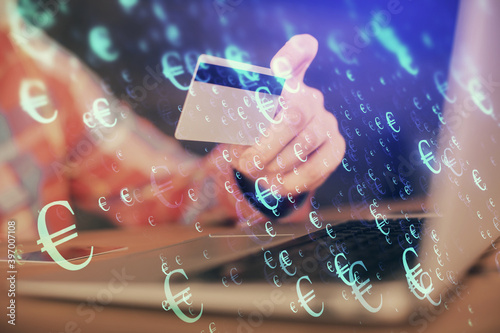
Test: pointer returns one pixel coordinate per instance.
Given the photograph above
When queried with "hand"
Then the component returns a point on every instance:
(305, 146)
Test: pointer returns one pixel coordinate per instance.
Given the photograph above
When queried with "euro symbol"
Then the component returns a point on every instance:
(101, 44)
(356, 289)
(103, 203)
(171, 72)
(305, 299)
(292, 307)
(241, 113)
(257, 162)
(212, 329)
(50, 247)
(235, 276)
(178, 260)
(263, 130)
(434, 236)
(299, 152)
(191, 195)
(267, 260)
(262, 195)
(346, 165)
(417, 287)
(276, 281)
(151, 220)
(381, 224)
(197, 225)
(477, 180)
(158, 190)
(205, 254)
(285, 262)
(341, 271)
(99, 113)
(172, 302)
(266, 105)
(31, 103)
(290, 198)
(378, 123)
(427, 157)
(479, 97)
(269, 229)
(125, 196)
(225, 154)
(329, 265)
(313, 217)
(329, 231)
(391, 121)
(224, 282)
(279, 177)
(227, 185)
(442, 87)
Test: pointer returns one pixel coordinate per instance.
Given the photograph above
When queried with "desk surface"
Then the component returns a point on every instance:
(475, 310)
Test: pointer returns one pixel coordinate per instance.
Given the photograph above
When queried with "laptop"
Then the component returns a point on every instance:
(373, 268)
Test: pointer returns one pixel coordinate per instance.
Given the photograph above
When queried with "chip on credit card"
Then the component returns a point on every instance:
(230, 102)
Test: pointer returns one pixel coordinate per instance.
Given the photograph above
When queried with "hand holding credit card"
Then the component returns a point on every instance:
(270, 123)
(229, 102)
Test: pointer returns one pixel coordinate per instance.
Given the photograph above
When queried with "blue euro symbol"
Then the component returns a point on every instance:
(235, 276)
(305, 299)
(356, 288)
(330, 232)
(30, 104)
(285, 262)
(50, 247)
(330, 266)
(172, 302)
(100, 43)
(313, 217)
(341, 271)
(266, 105)
(262, 195)
(426, 158)
(442, 86)
(417, 287)
(171, 72)
(276, 281)
(391, 121)
(268, 260)
(381, 224)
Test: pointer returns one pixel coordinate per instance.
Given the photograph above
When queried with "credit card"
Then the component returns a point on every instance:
(229, 102)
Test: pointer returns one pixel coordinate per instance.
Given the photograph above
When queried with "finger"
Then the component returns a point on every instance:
(277, 136)
(293, 59)
(298, 150)
(309, 176)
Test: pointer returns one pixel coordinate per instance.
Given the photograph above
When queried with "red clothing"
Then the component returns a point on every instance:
(59, 142)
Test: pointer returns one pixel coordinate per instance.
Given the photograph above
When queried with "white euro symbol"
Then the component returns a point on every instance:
(50, 247)
(30, 104)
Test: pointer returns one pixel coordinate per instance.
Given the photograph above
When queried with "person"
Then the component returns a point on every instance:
(66, 142)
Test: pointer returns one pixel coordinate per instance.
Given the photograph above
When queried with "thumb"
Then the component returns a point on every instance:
(293, 59)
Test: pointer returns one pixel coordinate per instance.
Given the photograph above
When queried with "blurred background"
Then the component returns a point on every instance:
(382, 67)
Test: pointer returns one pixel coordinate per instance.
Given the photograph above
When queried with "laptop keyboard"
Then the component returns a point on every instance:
(316, 254)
